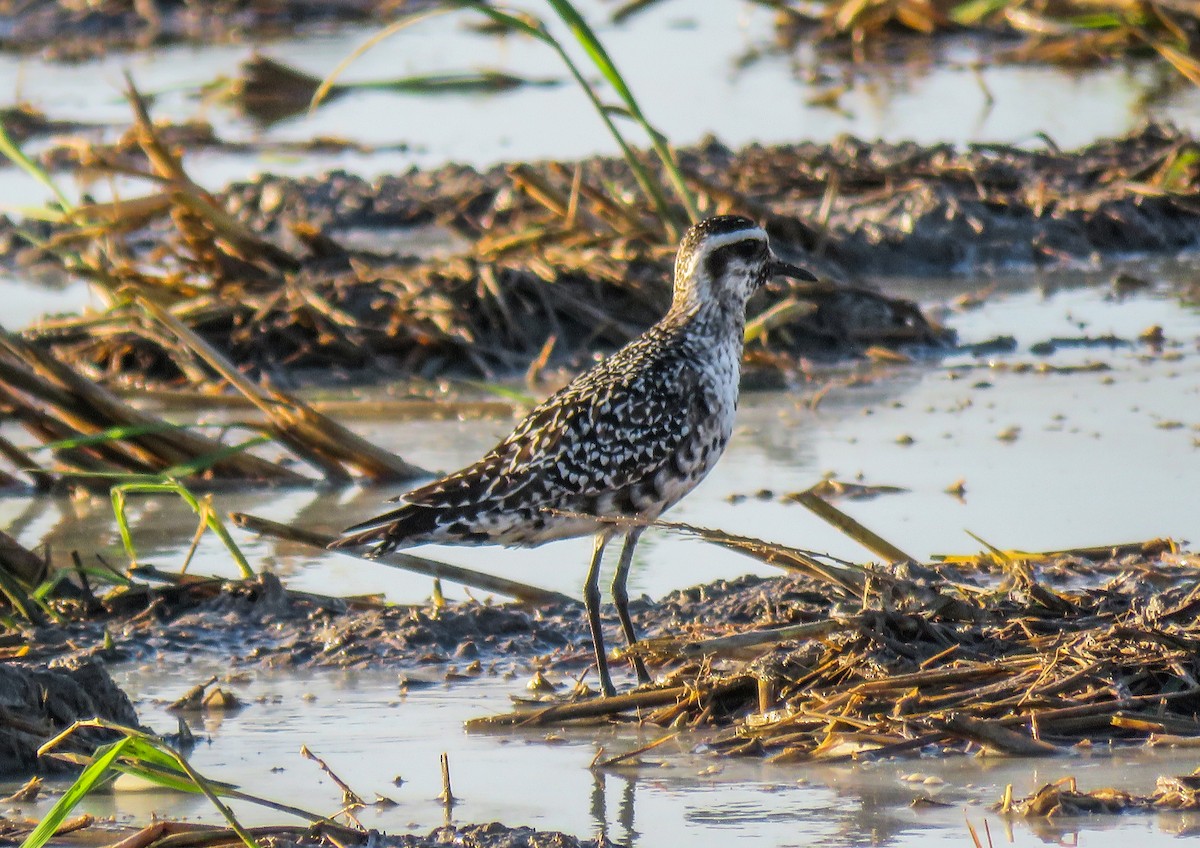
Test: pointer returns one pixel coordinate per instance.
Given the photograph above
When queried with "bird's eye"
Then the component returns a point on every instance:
(748, 250)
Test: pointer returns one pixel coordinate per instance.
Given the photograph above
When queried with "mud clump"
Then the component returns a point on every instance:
(456, 271)
(39, 702)
(259, 623)
(66, 31)
(492, 835)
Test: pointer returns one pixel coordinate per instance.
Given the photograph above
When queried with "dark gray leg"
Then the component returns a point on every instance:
(621, 598)
(591, 600)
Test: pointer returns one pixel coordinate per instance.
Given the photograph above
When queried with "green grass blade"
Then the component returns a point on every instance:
(147, 751)
(119, 493)
(526, 26)
(102, 575)
(145, 759)
(594, 48)
(975, 12)
(34, 213)
(203, 463)
(17, 597)
(118, 496)
(145, 755)
(44, 588)
(86, 783)
(12, 151)
(534, 28)
(499, 390)
(470, 82)
(176, 781)
(112, 434)
(1102, 20)
(592, 45)
(150, 757)
(537, 29)
(644, 181)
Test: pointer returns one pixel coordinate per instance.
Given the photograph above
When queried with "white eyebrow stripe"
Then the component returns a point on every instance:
(715, 242)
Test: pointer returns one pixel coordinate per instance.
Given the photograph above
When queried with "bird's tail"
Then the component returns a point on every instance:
(389, 531)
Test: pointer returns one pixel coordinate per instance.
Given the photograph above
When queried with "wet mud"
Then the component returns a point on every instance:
(456, 280)
(39, 700)
(259, 623)
(492, 835)
(65, 31)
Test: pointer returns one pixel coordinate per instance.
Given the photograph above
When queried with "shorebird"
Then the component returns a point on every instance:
(625, 440)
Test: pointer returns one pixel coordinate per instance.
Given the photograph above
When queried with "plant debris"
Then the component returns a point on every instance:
(848, 662)
(268, 274)
(1071, 33)
(1006, 652)
(97, 438)
(1063, 798)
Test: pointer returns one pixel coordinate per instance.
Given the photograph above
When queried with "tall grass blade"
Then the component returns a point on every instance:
(203, 463)
(535, 28)
(592, 45)
(12, 151)
(147, 756)
(111, 434)
(142, 750)
(18, 598)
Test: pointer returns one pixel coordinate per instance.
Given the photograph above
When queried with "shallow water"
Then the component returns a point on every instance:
(676, 795)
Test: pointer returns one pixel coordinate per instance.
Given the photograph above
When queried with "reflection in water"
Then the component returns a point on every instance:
(778, 99)
(627, 837)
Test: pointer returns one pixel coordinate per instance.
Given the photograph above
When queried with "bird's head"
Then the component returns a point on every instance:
(722, 261)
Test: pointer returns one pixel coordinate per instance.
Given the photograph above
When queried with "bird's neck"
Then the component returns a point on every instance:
(710, 319)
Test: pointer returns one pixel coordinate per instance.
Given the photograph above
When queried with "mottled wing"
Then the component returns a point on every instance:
(619, 424)
(537, 436)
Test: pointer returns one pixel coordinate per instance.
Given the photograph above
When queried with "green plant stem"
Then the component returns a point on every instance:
(211, 518)
(586, 36)
(640, 174)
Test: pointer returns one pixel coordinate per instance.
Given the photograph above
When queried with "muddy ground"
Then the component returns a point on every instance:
(66, 31)
(259, 623)
(39, 701)
(852, 207)
(455, 280)
(493, 835)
